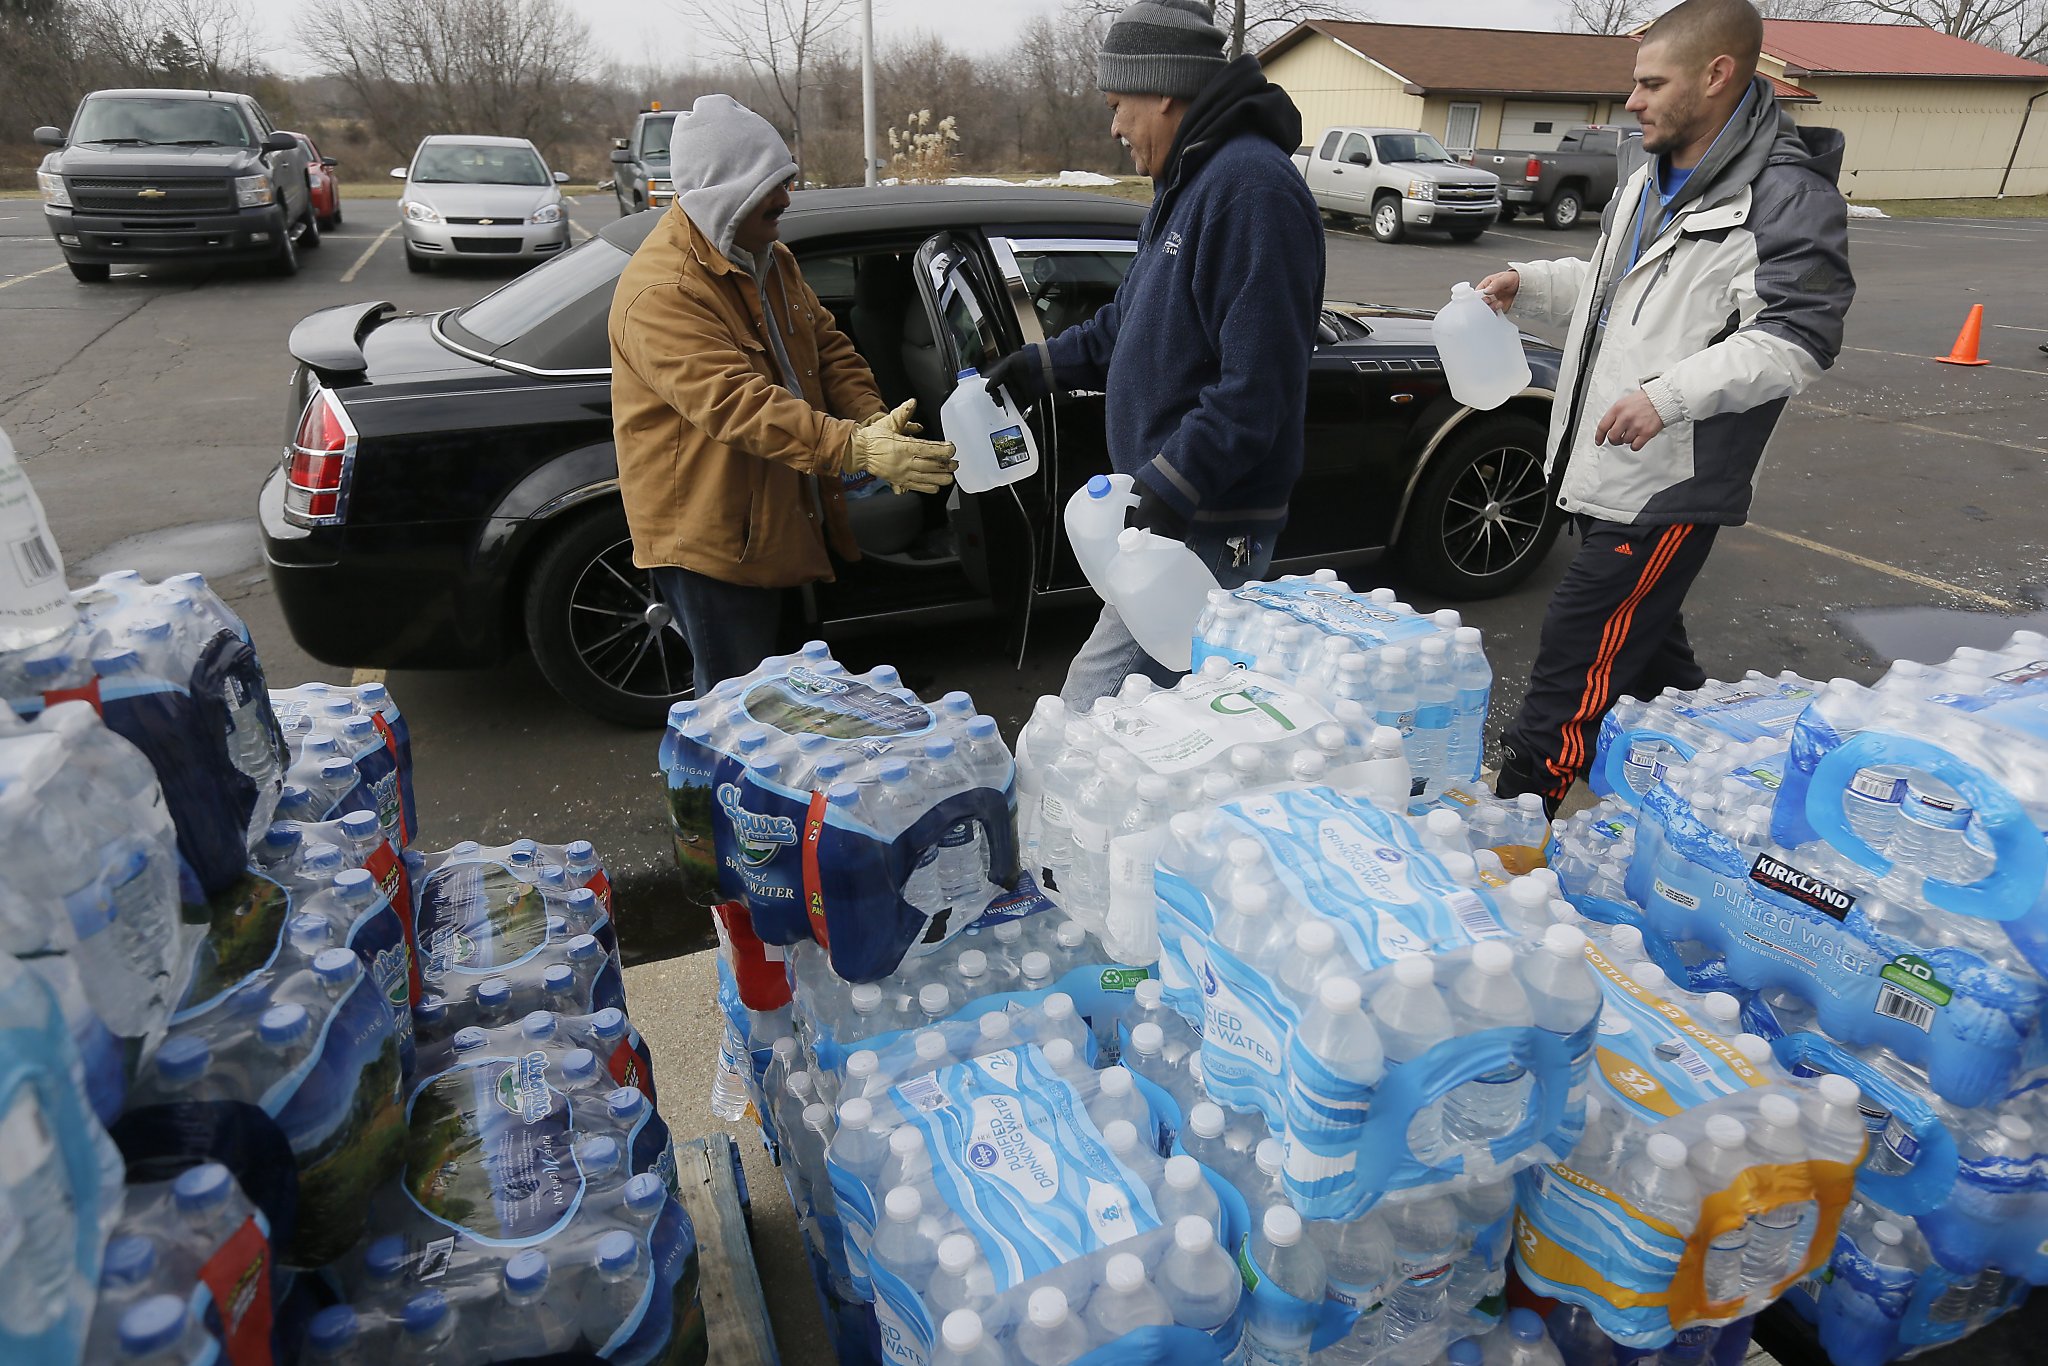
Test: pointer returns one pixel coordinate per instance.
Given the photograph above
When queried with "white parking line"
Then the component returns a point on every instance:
(1908, 355)
(1496, 232)
(2015, 327)
(348, 276)
(1995, 603)
(574, 226)
(31, 275)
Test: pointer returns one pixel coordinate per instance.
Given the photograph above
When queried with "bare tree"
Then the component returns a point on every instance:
(1990, 22)
(1607, 16)
(1251, 24)
(777, 41)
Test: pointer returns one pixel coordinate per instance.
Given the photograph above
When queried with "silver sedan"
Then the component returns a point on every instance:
(479, 198)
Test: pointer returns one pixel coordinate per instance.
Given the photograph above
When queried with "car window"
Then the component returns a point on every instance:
(1410, 147)
(475, 163)
(975, 342)
(654, 136)
(1356, 145)
(1328, 151)
(830, 277)
(141, 119)
(1068, 286)
(553, 317)
(263, 122)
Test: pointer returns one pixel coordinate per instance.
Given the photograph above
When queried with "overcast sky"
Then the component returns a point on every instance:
(633, 30)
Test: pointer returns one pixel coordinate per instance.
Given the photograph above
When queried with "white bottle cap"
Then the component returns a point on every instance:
(1754, 1048)
(1206, 1119)
(1443, 825)
(1072, 934)
(1394, 657)
(1566, 941)
(818, 1116)
(1252, 900)
(905, 1140)
(1037, 966)
(1057, 1007)
(1047, 1308)
(1192, 1232)
(857, 1113)
(1467, 635)
(1270, 1156)
(934, 999)
(1130, 538)
(1148, 1039)
(1649, 976)
(1493, 958)
(1564, 913)
(1114, 1081)
(1528, 893)
(1839, 1091)
(798, 1084)
(973, 964)
(1338, 995)
(1282, 1226)
(1447, 618)
(1149, 992)
(862, 1063)
(1463, 868)
(1545, 878)
(1315, 937)
(1124, 1273)
(1726, 1131)
(784, 1048)
(1009, 931)
(995, 1025)
(931, 1045)
(1627, 941)
(1779, 1111)
(903, 1203)
(2015, 1127)
(1722, 1007)
(962, 1329)
(1433, 648)
(1415, 970)
(957, 1252)
(1182, 1172)
(1059, 1054)
(1121, 1135)
(1666, 1151)
(866, 997)
(1888, 1233)
(1244, 853)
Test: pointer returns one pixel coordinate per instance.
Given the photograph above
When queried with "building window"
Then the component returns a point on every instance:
(1461, 132)
(1541, 128)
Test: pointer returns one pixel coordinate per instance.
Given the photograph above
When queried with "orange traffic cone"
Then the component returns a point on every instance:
(1965, 350)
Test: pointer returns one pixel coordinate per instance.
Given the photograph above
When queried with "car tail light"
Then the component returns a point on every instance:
(1533, 172)
(317, 465)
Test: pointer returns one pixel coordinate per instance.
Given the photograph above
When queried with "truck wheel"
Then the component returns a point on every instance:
(1386, 219)
(1507, 211)
(286, 262)
(86, 272)
(309, 240)
(1563, 211)
(1483, 516)
(599, 631)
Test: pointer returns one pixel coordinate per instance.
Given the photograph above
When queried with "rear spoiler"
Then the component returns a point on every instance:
(331, 341)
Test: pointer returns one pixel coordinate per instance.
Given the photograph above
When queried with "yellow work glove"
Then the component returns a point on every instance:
(898, 420)
(904, 463)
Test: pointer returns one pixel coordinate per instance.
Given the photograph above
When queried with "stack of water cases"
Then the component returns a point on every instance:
(1870, 879)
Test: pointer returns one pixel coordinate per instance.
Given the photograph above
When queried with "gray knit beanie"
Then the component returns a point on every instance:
(1161, 47)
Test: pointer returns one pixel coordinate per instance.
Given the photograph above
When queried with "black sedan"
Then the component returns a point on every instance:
(449, 494)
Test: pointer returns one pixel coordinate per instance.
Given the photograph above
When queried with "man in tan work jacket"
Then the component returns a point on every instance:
(737, 404)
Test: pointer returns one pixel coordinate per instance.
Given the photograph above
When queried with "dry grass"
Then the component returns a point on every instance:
(2013, 206)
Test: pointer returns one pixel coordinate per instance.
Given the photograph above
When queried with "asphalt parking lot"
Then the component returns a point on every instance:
(1899, 513)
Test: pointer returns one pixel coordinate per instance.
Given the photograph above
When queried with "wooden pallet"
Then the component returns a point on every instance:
(735, 1310)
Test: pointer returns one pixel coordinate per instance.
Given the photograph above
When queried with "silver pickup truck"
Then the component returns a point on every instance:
(1397, 179)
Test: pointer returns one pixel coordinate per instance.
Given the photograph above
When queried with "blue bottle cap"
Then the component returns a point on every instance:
(1098, 486)
(1525, 1324)
(815, 650)
(309, 925)
(373, 695)
(747, 741)
(430, 1011)
(558, 980)
(583, 902)
(493, 992)
(538, 1024)
(958, 702)
(118, 662)
(337, 769)
(765, 768)
(527, 1272)
(468, 849)
(617, 1251)
(681, 713)
(201, 1187)
(129, 1260)
(969, 373)
(425, 1311)
(558, 927)
(319, 746)
(885, 676)
(939, 747)
(295, 801)
(583, 851)
(284, 1025)
(583, 948)
(829, 770)
(810, 742)
(150, 628)
(579, 1064)
(469, 1040)
(981, 727)
(156, 1323)
(361, 825)
(842, 794)
(893, 771)
(645, 1192)
(333, 1328)
(598, 1156)
(554, 875)
(385, 1259)
(1465, 1352)
(609, 1024)
(625, 1103)
(319, 857)
(335, 966)
(46, 666)
(183, 1058)
(358, 728)
(525, 848)
(356, 886)
(341, 705)
(282, 837)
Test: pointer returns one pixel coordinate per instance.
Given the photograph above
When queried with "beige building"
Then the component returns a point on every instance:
(1925, 115)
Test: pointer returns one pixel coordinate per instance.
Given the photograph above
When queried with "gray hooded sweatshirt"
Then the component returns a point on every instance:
(725, 159)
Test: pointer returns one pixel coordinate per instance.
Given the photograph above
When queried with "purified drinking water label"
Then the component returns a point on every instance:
(1204, 717)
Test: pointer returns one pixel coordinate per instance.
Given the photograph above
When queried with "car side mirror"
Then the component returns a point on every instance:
(48, 136)
(561, 177)
(620, 156)
(398, 172)
(1359, 159)
(608, 183)
(280, 142)
(329, 162)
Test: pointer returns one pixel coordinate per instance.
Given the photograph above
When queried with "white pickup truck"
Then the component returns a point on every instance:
(1397, 179)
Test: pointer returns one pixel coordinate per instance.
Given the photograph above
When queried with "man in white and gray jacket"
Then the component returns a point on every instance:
(1716, 292)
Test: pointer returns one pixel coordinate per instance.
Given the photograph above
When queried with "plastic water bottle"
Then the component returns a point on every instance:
(1198, 1280)
(613, 1287)
(1425, 1236)
(335, 1338)
(1276, 1334)
(1360, 1258)
(1480, 1271)
(1473, 676)
(1050, 1335)
(1718, 1161)
(1202, 1138)
(1778, 1237)
(1251, 931)
(1482, 351)
(1526, 1344)
(1411, 1017)
(1393, 687)
(1659, 1184)
(962, 1279)
(899, 1243)
(1578, 1337)
(964, 1341)
(1184, 1192)
(1336, 1032)
(1126, 1300)
(1386, 779)
(1145, 1056)
(1436, 698)
(1929, 835)
(525, 1322)
(427, 1327)
(1489, 997)
(1692, 1347)
(160, 1331)
(1159, 586)
(1873, 800)
(1313, 958)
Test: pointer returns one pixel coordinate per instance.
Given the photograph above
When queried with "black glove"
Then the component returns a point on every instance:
(1155, 515)
(1022, 372)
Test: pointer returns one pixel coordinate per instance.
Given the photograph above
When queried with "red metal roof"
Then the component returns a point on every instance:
(1811, 47)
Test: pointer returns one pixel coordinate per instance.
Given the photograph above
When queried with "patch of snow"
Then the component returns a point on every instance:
(1867, 211)
(1066, 179)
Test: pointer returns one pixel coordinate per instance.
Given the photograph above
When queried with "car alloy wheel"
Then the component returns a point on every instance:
(599, 631)
(1564, 211)
(1483, 515)
(1386, 220)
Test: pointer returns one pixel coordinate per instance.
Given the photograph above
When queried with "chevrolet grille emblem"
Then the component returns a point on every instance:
(484, 222)
(151, 193)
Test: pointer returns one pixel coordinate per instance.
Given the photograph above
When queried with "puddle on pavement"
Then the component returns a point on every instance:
(215, 549)
(1932, 634)
(653, 921)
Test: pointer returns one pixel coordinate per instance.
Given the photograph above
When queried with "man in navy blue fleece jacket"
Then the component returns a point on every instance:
(1204, 352)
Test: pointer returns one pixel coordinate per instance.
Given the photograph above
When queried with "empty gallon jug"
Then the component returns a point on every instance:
(1159, 587)
(990, 437)
(1481, 350)
(1095, 518)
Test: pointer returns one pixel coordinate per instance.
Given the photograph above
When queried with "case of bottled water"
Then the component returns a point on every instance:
(1424, 674)
(326, 723)
(1706, 1179)
(1514, 834)
(1406, 1023)
(1591, 851)
(171, 670)
(841, 808)
(60, 1179)
(507, 929)
(198, 1241)
(1640, 740)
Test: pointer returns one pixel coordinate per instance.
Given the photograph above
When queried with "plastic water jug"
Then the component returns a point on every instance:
(1159, 587)
(1095, 518)
(1481, 350)
(990, 437)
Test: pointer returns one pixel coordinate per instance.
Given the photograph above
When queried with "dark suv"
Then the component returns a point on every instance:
(188, 175)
